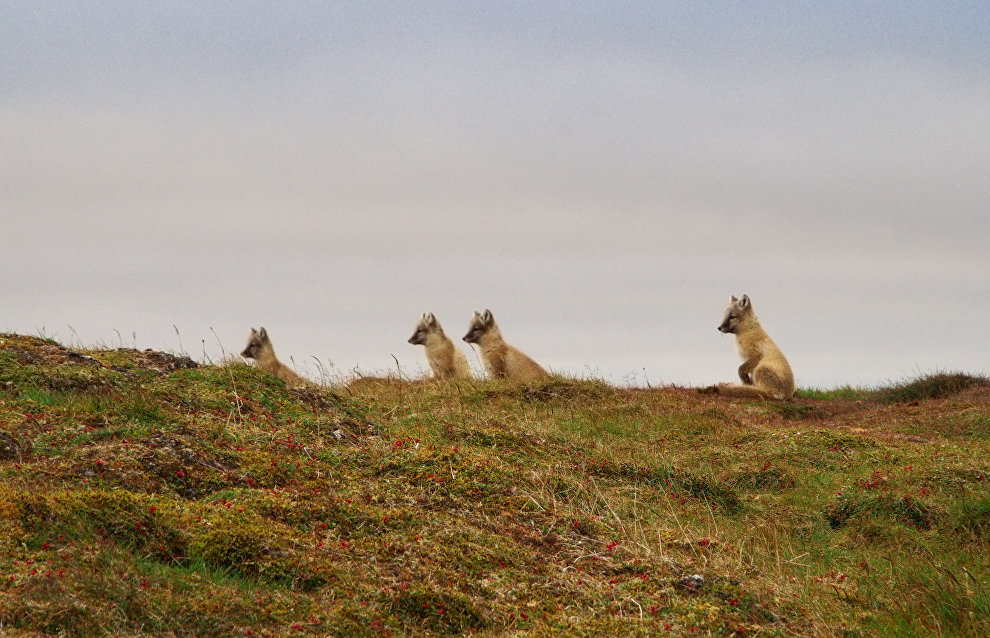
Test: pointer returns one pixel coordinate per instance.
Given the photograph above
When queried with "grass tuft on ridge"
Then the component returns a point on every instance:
(939, 385)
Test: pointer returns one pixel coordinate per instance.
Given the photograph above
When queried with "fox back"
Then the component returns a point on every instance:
(501, 360)
(446, 361)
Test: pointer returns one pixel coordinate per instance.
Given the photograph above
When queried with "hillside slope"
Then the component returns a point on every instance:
(141, 494)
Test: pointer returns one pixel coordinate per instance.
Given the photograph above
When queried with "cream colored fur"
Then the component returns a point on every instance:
(764, 372)
(501, 360)
(259, 348)
(446, 361)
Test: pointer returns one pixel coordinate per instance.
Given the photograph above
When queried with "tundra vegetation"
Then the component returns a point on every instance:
(144, 495)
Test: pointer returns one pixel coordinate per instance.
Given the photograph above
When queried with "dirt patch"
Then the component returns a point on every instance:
(42, 353)
(183, 452)
(49, 355)
(9, 449)
(818, 409)
(160, 362)
(317, 397)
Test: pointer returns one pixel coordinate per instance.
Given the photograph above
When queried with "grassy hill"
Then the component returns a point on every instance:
(141, 494)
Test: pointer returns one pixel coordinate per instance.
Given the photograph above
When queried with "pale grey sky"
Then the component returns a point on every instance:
(601, 175)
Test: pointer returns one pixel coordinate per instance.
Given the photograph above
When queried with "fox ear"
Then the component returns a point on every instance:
(263, 333)
(487, 317)
(253, 331)
(733, 299)
(429, 319)
(744, 302)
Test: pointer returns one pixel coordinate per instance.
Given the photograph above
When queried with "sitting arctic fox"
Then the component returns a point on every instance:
(501, 360)
(259, 348)
(765, 372)
(446, 361)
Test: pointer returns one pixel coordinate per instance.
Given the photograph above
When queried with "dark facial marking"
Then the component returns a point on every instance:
(475, 332)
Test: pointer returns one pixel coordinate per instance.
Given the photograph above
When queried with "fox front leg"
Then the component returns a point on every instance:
(745, 371)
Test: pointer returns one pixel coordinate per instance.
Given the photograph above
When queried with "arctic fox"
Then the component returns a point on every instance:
(446, 361)
(501, 360)
(765, 372)
(259, 348)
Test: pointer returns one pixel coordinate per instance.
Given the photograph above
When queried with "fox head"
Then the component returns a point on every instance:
(427, 326)
(256, 343)
(737, 314)
(481, 324)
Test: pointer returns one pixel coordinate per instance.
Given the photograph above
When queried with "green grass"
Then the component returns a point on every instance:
(139, 496)
(937, 385)
(843, 393)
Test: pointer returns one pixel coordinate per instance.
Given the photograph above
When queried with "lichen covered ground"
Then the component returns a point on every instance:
(144, 495)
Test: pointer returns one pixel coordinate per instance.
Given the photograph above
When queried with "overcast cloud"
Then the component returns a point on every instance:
(601, 175)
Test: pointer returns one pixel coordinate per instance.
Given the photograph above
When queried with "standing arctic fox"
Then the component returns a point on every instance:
(765, 372)
(446, 361)
(501, 360)
(259, 348)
